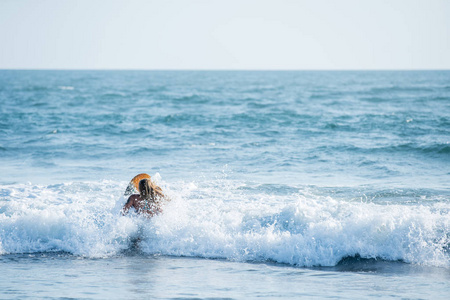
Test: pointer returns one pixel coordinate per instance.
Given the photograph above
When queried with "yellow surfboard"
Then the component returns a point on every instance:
(133, 186)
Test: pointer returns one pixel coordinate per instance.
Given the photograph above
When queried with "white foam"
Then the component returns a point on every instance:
(216, 219)
(308, 231)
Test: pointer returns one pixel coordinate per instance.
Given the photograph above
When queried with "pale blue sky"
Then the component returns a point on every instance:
(231, 34)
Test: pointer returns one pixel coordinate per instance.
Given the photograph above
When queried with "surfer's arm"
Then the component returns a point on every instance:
(128, 205)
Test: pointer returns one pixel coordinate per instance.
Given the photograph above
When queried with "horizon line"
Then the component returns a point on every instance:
(220, 70)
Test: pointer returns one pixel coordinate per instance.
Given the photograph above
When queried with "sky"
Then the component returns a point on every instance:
(225, 34)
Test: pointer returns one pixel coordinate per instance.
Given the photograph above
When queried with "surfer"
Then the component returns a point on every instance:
(148, 201)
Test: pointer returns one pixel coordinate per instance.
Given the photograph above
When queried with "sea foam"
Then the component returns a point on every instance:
(222, 219)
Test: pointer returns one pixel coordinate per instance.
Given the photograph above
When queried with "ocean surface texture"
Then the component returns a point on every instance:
(282, 184)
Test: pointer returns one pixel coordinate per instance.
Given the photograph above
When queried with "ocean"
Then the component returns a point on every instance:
(283, 184)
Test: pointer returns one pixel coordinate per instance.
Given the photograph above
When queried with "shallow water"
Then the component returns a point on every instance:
(283, 184)
(50, 276)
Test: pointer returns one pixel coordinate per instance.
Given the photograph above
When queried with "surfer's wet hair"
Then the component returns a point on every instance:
(145, 189)
(148, 190)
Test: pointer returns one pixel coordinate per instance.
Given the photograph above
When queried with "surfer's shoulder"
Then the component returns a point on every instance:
(131, 202)
(133, 198)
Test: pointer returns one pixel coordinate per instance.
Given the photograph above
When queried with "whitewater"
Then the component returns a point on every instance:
(222, 220)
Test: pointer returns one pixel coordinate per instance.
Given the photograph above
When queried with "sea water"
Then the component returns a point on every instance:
(282, 184)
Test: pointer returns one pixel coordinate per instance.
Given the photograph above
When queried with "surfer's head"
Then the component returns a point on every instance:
(146, 189)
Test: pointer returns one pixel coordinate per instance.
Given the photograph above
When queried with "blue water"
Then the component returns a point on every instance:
(317, 179)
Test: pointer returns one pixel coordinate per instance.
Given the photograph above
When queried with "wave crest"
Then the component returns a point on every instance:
(221, 219)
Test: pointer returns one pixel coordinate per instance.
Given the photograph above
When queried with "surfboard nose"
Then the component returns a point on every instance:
(133, 186)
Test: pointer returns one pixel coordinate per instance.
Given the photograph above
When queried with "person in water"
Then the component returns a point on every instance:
(148, 201)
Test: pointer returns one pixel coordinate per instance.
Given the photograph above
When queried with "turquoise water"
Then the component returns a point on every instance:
(290, 178)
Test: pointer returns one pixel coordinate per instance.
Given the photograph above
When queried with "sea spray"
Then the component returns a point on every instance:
(221, 218)
(298, 230)
(78, 218)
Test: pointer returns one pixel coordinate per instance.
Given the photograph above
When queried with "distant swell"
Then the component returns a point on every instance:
(443, 148)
